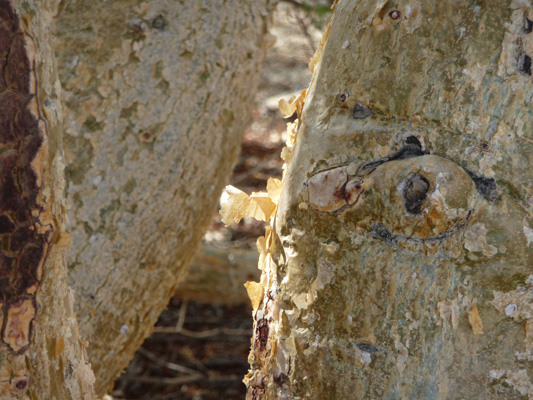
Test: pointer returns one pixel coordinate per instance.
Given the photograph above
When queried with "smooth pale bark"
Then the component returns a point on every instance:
(156, 97)
(376, 288)
(42, 356)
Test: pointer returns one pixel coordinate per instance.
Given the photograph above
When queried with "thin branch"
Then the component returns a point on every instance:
(303, 25)
(305, 31)
(182, 315)
(174, 367)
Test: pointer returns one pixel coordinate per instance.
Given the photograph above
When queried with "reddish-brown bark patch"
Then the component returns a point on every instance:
(24, 240)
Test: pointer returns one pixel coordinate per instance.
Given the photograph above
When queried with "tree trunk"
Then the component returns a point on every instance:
(399, 264)
(42, 356)
(156, 96)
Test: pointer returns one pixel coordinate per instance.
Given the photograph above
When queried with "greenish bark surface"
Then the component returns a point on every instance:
(399, 266)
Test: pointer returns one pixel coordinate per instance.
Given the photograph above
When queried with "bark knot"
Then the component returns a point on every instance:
(414, 192)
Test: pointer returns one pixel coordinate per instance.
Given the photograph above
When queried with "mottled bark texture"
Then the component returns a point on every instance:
(399, 265)
(156, 96)
(41, 354)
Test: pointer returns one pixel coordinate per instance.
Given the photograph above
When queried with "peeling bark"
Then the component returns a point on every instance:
(41, 355)
(399, 262)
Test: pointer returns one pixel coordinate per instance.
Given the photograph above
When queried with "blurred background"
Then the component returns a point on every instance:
(199, 348)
